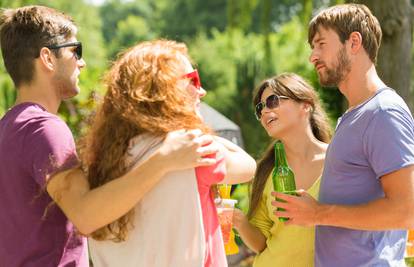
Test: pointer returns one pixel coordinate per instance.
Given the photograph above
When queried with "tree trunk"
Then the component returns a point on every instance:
(395, 54)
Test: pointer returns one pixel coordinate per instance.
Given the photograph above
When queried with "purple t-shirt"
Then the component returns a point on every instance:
(33, 145)
(372, 140)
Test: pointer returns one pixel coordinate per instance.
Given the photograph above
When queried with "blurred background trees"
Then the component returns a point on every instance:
(235, 44)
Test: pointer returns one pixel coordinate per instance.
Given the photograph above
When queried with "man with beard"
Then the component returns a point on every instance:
(38, 156)
(367, 190)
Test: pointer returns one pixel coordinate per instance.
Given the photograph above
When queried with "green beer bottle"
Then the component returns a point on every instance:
(282, 176)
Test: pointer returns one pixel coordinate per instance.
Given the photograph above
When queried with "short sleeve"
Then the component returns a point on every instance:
(389, 141)
(261, 219)
(51, 149)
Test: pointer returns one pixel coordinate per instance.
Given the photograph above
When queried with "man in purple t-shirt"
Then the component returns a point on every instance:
(38, 159)
(366, 198)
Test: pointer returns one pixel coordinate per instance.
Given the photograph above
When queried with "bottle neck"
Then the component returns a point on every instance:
(280, 155)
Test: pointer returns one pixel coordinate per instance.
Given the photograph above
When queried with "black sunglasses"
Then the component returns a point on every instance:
(78, 49)
(271, 101)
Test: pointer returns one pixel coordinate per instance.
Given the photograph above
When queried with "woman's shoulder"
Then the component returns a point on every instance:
(141, 147)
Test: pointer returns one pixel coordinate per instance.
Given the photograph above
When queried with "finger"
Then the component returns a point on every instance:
(281, 213)
(207, 150)
(285, 197)
(290, 222)
(181, 131)
(206, 161)
(294, 221)
(204, 140)
(194, 133)
(279, 204)
(238, 213)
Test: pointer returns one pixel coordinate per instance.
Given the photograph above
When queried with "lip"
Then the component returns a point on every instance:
(319, 67)
(270, 120)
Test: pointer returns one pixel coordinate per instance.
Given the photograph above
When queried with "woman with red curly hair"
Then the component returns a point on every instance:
(152, 91)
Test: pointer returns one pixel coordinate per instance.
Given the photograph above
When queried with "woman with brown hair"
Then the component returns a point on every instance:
(152, 90)
(289, 110)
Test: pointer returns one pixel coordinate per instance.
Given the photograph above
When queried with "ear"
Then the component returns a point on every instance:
(355, 42)
(47, 59)
(307, 107)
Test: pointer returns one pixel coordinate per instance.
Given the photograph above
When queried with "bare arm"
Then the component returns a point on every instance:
(91, 209)
(251, 236)
(240, 165)
(393, 211)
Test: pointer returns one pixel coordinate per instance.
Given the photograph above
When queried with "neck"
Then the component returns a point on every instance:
(40, 93)
(301, 144)
(361, 83)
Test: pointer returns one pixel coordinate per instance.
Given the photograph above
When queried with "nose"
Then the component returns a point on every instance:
(81, 63)
(201, 92)
(313, 58)
(266, 110)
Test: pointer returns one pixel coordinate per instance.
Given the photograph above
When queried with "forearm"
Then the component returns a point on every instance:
(240, 165)
(240, 168)
(380, 214)
(393, 211)
(90, 210)
(252, 237)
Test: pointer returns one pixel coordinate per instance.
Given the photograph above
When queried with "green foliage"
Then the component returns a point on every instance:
(239, 13)
(231, 62)
(409, 262)
(131, 30)
(126, 23)
(7, 91)
(114, 11)
(184, 19)
(8, 95)
(240, 193)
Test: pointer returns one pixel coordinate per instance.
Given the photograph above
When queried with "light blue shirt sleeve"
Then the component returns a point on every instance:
(389, 140)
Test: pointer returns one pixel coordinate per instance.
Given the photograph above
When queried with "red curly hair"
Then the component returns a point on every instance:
(143, 95)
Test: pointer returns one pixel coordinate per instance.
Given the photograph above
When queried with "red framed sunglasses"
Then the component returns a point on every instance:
(194, 77)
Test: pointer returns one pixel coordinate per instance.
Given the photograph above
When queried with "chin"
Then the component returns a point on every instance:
(277, 132)
(327, 84)
(70, 94)
(272, 133)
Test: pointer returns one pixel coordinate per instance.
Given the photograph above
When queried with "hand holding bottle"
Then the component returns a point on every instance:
(301, 209)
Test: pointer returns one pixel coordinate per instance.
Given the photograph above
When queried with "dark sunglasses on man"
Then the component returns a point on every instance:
(271, 101)
(77, 45)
